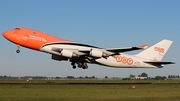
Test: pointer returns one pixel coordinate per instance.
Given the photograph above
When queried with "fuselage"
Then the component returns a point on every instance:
(43, 42)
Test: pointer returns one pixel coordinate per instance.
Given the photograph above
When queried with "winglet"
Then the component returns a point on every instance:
(144, 46)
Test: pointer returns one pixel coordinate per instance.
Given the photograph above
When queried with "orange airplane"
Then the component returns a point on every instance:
(81, 54)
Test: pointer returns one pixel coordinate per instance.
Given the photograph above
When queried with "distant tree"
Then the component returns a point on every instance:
(144, 75)
(70, 77)
(86, 77)
(57, 77)
(106, 77)
(164, 77)
(80, 77)
(93, 77)
(5, 76)
(169, 76)
(132, 76)
(160, 77)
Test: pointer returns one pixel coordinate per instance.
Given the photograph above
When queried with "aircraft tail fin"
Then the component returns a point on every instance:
(157, 51)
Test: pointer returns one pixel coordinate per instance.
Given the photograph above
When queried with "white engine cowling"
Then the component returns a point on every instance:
(96, 53)
(67, 53)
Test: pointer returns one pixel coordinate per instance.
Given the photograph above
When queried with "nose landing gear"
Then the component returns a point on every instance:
(18, 51)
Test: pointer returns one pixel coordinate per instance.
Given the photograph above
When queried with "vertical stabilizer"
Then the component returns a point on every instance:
(157, 51)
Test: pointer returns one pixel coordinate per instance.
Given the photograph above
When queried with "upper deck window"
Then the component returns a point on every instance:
(17, 28)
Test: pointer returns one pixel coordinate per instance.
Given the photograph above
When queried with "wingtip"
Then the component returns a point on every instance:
(144, 46)
(173, 63)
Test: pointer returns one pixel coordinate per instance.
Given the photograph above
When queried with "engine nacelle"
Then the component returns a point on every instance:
(96, 53)
(68, 53)
(59, 58)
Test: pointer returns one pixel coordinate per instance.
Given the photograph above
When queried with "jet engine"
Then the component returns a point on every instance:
(96, 53)
(67, 53)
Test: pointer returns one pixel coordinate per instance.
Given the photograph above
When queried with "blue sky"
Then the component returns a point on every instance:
(102, 23)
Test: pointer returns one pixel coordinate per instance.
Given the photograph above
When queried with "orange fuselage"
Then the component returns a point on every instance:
(29, 38)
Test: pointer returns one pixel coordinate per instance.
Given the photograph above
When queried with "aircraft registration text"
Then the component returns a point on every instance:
(37, 38)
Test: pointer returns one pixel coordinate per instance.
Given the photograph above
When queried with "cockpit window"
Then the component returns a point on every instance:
(17, 28)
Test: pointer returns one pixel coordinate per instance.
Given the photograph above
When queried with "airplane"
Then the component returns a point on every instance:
(81, 54)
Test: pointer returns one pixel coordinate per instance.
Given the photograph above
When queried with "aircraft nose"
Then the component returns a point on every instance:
(8, 34)
(4, 34)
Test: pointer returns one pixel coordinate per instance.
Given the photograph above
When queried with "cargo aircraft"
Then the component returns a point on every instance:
(81, 54)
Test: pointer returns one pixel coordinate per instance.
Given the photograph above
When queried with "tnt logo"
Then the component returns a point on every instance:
(124, 60)
(159, 49)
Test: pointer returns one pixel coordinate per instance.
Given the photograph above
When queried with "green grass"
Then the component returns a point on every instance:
(89, 92)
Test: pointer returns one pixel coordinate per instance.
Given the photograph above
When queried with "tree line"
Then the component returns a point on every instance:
(131, 76)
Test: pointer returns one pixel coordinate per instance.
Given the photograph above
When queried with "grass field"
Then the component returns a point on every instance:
(149, 92)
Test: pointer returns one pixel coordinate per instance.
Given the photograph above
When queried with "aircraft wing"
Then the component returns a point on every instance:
(106, 52)
(119, 50)
(86, 54)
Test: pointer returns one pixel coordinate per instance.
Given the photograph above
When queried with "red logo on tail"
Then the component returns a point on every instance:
(159, 49)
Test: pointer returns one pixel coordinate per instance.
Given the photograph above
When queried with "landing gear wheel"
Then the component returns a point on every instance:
(18, 51)
(74, 67)
(73, 63)
(85, 66)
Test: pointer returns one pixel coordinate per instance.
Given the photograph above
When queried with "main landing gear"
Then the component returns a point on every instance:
(73, 65)
(82, 65)
(18, 51)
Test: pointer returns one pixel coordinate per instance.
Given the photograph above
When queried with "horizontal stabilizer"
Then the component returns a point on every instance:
(158, 63)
